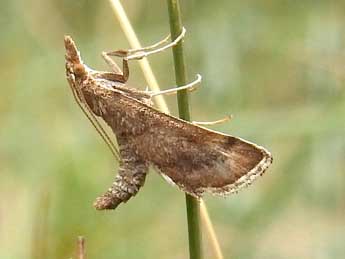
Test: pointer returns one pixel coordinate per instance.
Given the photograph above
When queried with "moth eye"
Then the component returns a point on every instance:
(79, 69)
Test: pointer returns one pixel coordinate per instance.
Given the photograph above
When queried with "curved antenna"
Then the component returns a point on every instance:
(95, 123)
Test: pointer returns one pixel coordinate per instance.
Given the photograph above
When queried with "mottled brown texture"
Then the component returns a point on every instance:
(193, 158)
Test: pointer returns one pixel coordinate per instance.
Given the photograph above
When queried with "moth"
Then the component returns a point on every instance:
(194, 158)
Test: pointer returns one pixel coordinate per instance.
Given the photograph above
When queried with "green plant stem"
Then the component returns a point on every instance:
(192, 204)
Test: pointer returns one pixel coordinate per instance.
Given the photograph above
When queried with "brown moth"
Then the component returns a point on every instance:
(194, 158)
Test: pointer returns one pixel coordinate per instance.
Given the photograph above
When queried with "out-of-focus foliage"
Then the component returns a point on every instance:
(277, 66)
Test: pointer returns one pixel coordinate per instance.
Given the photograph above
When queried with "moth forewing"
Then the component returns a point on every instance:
(236, 165)
(197, 159)
(194, 158)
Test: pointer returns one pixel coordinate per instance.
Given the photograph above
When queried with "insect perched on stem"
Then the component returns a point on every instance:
(194, 158)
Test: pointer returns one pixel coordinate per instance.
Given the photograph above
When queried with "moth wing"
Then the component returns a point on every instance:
(194, 158)
(197, 159)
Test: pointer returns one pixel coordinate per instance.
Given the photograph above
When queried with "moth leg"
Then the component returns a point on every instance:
(147, 51)
(151, 47)
(131, 177)
(121, 76)
(190, 87)
(126, 55)
(210, 123)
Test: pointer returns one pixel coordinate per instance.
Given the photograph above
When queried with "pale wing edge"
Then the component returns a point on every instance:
(241, 183)
(246, 179)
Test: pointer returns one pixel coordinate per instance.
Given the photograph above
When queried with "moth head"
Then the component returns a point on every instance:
(74, 65)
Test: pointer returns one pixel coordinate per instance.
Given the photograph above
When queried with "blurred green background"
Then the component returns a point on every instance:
(277, 66)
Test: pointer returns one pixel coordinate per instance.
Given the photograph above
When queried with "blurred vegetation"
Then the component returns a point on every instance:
(277, 66)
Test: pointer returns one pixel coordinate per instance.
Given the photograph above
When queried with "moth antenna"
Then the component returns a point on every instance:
(77, 67)
(95, 123)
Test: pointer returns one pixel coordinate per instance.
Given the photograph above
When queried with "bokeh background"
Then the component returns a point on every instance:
(277, 66)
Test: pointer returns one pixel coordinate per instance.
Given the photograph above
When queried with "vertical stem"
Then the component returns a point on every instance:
(81, 248)
(194, 231)
(192, 204)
